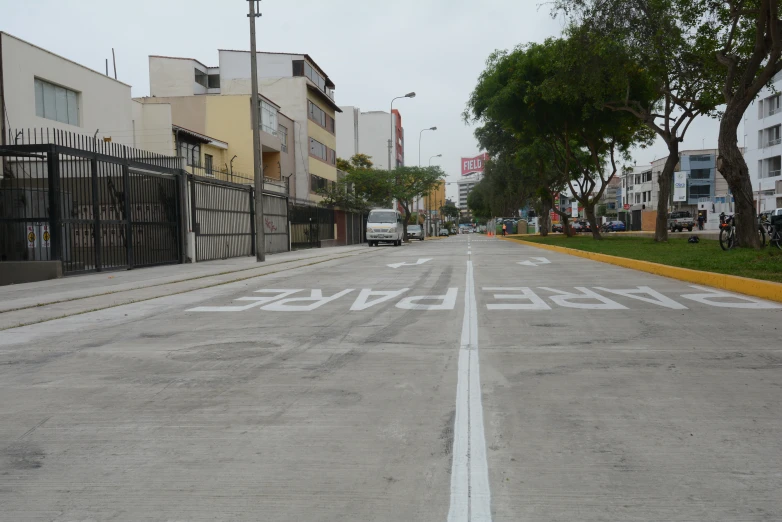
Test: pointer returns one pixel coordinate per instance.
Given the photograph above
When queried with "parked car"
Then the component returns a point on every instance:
(679, 220)
(415, 232)
(615, 226)
(577, 227)
(557, 227)
(384, 226)
(585, 226)
(444, 233)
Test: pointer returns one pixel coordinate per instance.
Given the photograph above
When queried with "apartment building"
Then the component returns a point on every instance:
(214, 134)
(641, 188)
(763, 128)
(368, 133)
(466, 184)
(41, 90)
(291, 84)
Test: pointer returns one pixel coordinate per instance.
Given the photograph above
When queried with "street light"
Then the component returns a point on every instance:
(429, 196)
(391, 138)
(420, 135)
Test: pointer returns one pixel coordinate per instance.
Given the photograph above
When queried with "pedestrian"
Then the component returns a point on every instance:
(504, 229)
(700, 221)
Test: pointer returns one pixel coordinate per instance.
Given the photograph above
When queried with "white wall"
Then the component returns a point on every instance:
(755, 151)
(152, 127)
(374, 131)
(348, 137)
(235, 69)
(104, 103)
(174, 77)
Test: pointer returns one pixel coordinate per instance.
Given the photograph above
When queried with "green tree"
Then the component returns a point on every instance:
(528, 93)
(410, 183)
(744, 37)
(640, 57)
(478, 200)
(449, 210)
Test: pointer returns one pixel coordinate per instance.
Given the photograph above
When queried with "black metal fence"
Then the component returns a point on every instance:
(90, 204)
(310, 225)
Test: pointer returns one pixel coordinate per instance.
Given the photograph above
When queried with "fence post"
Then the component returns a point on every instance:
(55, 217)
(182, 220)
(128, 210)
(251, 193)
(98, 242)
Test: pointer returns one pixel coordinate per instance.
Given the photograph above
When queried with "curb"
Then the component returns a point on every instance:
(742, 285)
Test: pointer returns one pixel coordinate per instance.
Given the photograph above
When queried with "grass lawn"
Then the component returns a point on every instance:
(706, 255)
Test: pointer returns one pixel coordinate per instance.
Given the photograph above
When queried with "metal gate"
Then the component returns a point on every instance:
(223, 219)
(89, 204)
(310, 225)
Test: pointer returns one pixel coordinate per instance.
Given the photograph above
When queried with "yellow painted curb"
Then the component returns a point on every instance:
(742, 285)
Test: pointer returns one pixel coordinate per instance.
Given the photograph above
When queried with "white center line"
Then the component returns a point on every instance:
(470, 496)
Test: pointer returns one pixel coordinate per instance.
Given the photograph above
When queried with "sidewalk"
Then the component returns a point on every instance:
(31, 303)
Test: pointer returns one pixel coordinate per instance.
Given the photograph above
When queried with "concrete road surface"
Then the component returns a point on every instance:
(462, 379)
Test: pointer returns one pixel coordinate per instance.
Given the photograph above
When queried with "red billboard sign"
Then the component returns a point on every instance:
(627, 206)
(473, 165)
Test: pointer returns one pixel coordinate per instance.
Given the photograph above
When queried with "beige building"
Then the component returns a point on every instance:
(41, 90)
(214, 134)
(292, 85)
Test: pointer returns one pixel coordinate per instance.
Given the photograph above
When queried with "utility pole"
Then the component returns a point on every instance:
(260, 241)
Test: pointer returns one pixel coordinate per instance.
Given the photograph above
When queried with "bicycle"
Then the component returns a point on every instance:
(774, 232)
(728, 237)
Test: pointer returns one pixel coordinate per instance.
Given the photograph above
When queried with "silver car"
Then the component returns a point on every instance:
(415, 232)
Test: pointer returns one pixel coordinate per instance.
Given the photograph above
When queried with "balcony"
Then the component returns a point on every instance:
(771, 143)
(772, 112)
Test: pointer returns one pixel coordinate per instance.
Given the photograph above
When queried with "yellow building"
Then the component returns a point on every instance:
(214, 135)
(214, 101)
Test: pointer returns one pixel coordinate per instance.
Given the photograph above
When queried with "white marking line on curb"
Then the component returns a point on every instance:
(470, 495)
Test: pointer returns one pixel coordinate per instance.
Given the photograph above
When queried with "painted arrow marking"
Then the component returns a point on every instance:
(540, 261)
(419, 262)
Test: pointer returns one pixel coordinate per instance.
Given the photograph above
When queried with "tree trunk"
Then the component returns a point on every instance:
(406, 221)
(664, 181)
(733, 168)
(565, 226)
(544, 217)
(589, 208)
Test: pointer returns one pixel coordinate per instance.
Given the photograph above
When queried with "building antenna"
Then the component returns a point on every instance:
(114, 59)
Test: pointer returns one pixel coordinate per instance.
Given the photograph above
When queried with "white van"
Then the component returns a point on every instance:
(385, 226)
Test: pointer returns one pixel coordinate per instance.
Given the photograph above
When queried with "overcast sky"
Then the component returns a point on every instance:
(373, 50)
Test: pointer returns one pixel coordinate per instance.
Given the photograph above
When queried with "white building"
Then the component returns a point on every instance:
(368, 133)
(41, 90)
(301, 89)
(466, 184)
(763, 128)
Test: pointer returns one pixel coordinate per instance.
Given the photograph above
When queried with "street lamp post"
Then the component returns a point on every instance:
(420, 135)
(391, 138)
(260, 246)
(428, 196)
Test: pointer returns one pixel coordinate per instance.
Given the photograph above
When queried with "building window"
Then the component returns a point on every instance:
(322, 152)
(700, 157)
(772, 105)
(200, 78)
(56, 103)
(700, 174)
(191, 152)
(320, 117)
(700, 191)
(302, 68)
(214, 81)
(317, 183)
(282, 132)
(268, 118)
(647, 176)
(208, 164)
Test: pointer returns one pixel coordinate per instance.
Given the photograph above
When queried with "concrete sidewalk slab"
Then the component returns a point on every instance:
(135, 289)
(28, 295)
